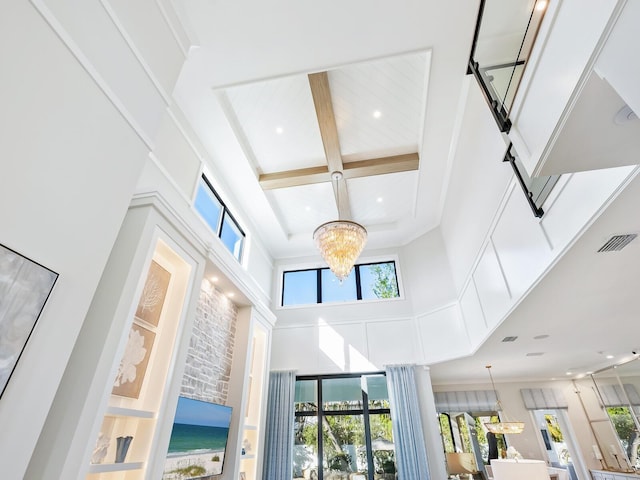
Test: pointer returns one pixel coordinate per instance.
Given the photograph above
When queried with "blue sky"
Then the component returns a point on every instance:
(195, 412)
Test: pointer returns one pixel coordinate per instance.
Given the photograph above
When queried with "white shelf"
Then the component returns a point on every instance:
(129, 412)
(114, 467)
(248, 456)
(250, 427)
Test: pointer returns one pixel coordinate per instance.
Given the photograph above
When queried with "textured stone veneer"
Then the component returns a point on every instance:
(208, 367)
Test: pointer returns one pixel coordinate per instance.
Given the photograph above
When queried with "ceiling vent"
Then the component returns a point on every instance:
(617, 242)
(535, 354)
(509, 339)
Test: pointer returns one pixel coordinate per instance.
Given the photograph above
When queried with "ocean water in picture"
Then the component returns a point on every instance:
(190, 439)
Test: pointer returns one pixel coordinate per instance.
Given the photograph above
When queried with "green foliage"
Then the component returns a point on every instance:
(554, 428)
(622, 422)
(215, 458)
(385, 285)
(190, 471)
(341, 462)
(445, 432)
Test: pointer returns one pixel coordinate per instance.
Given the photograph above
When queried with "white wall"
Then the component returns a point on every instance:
(568, 36)
(614, 64)
(65, 149)
(477, 185)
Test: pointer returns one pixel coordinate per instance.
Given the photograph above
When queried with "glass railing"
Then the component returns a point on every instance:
(536, 189)
(504, 36)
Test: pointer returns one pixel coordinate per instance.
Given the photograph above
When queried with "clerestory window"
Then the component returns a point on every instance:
(215, 213)
(366, 281)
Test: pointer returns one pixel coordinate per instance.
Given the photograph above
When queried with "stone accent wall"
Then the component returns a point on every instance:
(208, 367)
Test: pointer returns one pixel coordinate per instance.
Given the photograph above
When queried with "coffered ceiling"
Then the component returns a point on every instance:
(280, 103)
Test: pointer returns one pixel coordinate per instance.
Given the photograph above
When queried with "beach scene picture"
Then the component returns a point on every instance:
(198, 440)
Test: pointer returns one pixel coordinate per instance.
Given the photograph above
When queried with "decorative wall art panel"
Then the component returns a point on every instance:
(24, 289)
(153, 294)
(133, 365)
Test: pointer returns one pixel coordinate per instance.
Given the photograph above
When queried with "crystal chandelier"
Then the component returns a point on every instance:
(340, 241)
(508, 426)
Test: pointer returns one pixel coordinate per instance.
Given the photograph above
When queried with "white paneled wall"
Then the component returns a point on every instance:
(619, 68)
(571, 31)
(443, 335)
(491, 286)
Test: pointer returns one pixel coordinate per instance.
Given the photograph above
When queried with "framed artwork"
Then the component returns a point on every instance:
(133, 365)
(153, 294)
(243, 476)
(25, 287)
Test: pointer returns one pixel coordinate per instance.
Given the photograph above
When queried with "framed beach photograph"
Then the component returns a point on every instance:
(133, 365)
(25, 287)
(153, 294)
(198, 440)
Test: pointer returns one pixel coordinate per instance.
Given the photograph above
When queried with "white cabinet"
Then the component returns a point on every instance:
(609, 475)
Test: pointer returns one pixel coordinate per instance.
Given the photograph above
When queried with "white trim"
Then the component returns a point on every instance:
(136, 53)
(83, 60)
(176, 24)
(453, 146)
(168, 177)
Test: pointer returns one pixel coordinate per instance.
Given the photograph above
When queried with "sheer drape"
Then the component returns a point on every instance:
(411, 452)
(278, 447)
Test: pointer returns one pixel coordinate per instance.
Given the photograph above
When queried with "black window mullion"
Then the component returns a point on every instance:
(358, 284)
(367, 433)
(320, 446)
(319, 286)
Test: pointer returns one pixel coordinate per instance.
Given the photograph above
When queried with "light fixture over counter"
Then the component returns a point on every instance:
(503, 427)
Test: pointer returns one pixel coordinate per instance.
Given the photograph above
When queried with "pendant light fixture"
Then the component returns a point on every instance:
(508, 426)
(340, 241)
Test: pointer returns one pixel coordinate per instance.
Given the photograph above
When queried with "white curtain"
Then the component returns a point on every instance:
(411, 452)
(278, 447)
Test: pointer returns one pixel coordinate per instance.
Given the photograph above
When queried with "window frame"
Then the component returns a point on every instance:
(224, 212)
(372, 261)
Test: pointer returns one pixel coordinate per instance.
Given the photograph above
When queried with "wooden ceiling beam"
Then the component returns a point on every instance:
(361, 168)
(381, 166)
(321, 93)
(319, 83)
(294, 178)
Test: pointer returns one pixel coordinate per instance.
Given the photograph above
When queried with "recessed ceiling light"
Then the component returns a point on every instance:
(230, 294)
(569, 373)
(609, 357)
(307, 208)
(279, 130)
(214, 279)
(379, 199)
(377, 114)
(541, 5)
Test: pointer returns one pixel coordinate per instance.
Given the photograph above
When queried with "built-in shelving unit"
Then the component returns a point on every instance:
(251, 429)
(145, 354)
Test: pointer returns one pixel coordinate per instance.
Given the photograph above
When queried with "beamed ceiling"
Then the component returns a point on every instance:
(364, 121)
